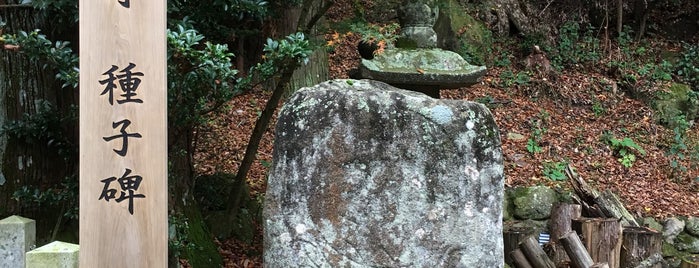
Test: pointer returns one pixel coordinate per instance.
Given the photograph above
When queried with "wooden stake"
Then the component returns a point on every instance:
(519, 260)
(123, 134)
(559, 224)
(638, 244)
(596, 204)
(601, 237)
(535, 255)
(512, 237)
(579, 258)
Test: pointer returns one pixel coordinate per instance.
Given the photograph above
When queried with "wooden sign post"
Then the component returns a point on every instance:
(123, 134)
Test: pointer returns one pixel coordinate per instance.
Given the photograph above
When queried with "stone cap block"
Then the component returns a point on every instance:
(17, 236)
(56, 254)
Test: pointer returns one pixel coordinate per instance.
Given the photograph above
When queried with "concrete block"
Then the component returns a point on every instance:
(56, 254)
(17, 236)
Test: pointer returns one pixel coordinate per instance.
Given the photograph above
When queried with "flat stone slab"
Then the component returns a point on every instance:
(56, 254)
(421, 67)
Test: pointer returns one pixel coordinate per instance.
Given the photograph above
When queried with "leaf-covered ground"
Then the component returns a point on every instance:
(570, 114)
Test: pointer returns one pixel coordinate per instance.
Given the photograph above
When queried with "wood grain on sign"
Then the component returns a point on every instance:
(123, 130)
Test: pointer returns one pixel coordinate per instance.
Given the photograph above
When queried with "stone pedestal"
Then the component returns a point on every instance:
(56, 254)
(417, 17)
(17, 236)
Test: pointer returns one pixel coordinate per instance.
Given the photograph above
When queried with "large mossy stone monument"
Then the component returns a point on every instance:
(368, 175)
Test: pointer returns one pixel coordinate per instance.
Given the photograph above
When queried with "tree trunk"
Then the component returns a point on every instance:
(641, 12)
(640, 243)
(26, 88)
(518, 259)
(521, 14)
(307, 23)
(619, 16)
(560, 224)
(578, 255)
(200, 249)
(602, 238)
(317, 69)
(512, 237)
(535, 255)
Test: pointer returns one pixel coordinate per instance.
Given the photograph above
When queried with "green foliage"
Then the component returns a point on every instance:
(597, 108)
(636, 64)
(221, 19)
(655, 71)
(687, 68)
(555, 170)
(64, 195)
(46, 127)
(625, 149)
(292, 50)
(567, 40)
(55, 55)
(509, 79)
(680, 151)
(64, 12)
(379, 34)
(522, 78)
(678, 148)
(211, 191)
(488, 101)
(576, 46)
(200, 77)
(503, 60)
(533, 146)
(178, 230)
(625, 42)
(538, 130)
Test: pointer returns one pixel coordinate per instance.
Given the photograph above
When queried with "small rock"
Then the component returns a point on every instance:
(692, 226)
(507, 207)
(687, 243)
(652, 223)
(672, 228)
(533, 203)
(513, 136)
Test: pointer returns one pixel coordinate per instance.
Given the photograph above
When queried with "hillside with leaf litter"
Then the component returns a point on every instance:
(591, 111)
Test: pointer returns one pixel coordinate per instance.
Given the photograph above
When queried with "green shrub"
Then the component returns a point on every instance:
(533, 146)
(555, 170)
(625, 149)
(538, 126)
(687, 67)
(54, 55)
(682, 149)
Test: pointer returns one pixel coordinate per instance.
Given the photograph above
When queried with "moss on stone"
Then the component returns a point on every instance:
(679, 99)
(204, 253)
(670, 251)
(688, 243)
(533, 202)
(460, 32)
